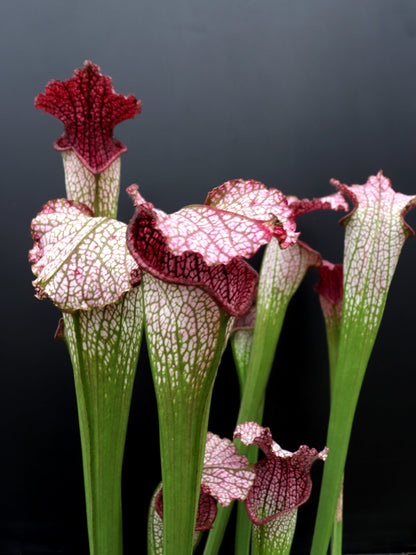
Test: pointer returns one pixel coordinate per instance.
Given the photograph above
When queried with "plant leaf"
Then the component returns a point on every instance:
(283, 480)
(374, 235)
(226, 474)
(81, 262)
(231, 285)
(98, 191)
(300, 207)
(186, 335)
(330, 289)
(155, 528)
(255, 201)
(89, 108)
(104, 345)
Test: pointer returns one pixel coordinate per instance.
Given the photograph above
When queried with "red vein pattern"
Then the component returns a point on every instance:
(89, 108)
(283, 480)
(283, 269)
(255, 201)
(231, 285)
(300, 207)
(375, 232)
(369, 265)
(226, 474)
(202, 245)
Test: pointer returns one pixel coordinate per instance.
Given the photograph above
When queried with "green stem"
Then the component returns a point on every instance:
(374, 236)
(243, 531)
(354, 350)
(186, 335)
(104, 347)
(333, 329)
(332, 312)
(241, 341)
(333, 334)
(270, 314)
(281, 273)
(181, 461)
(216, 535)
(356, 342)
(339, 433)
(336, 539)
(104, 369)
(155, 529)
(280, 276)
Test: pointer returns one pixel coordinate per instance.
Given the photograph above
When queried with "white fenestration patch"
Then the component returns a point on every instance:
(254, 200)
(218, 236)
(99, 192)
(81, 262)
(282, 272)
(235, 223)
(225, 473)
(183, 326)
(374, 236)
(276, 536)
(104, 343)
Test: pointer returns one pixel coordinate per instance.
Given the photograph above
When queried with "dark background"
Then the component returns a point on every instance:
(288, 92)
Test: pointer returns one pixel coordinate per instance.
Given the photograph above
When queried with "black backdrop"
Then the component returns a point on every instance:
(290, 93)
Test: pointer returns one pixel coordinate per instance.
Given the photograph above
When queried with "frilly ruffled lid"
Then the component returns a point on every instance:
(334, 202)
(89, 108)
(283, 480)
(203, 245)
(81, 262)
